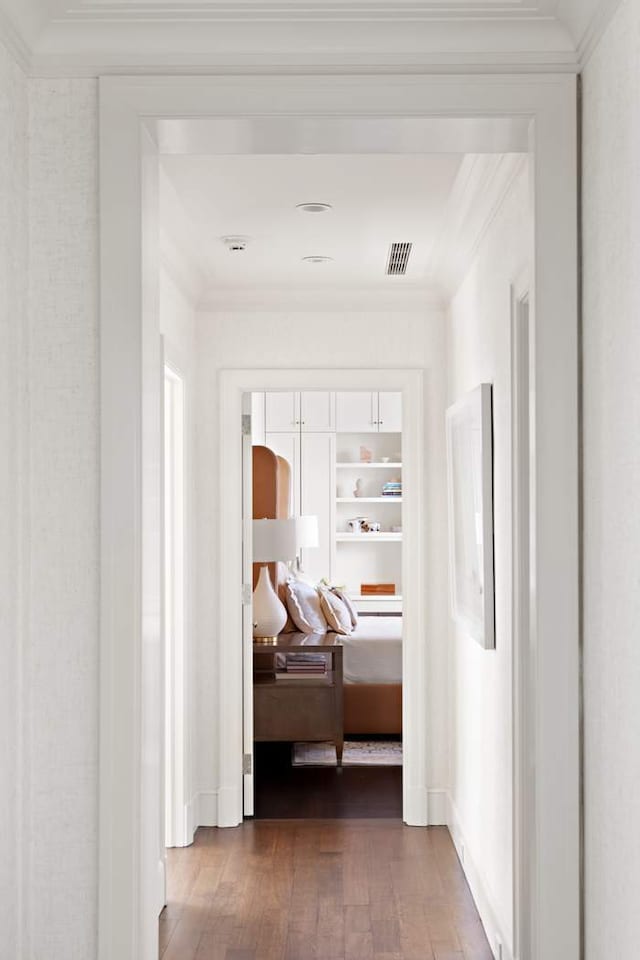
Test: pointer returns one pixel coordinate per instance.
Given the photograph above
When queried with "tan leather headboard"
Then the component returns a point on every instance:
(271, 495)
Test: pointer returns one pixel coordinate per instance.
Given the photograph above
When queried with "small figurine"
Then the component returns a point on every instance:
(357, 490)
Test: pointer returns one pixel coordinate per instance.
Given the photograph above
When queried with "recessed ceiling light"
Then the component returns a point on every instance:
(314, 207)
(235, 244)
(317, 259)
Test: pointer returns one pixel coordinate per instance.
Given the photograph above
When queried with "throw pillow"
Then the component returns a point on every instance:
(303, 604)
(336, 612)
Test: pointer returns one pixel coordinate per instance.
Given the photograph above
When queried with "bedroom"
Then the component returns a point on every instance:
(262, 322)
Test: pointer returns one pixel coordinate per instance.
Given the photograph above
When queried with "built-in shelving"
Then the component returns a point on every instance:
(357, 464)
(368, 499)
(368, 537)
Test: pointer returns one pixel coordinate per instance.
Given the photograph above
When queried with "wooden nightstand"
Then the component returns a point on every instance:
(308, 708)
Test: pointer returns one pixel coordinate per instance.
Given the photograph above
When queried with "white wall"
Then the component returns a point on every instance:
(177, 325)
(61, 681)
(481, 741)
(611, 396)
(297, 338)
(13, 282)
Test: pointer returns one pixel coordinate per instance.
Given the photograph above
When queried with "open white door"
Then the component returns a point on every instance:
(247, 607)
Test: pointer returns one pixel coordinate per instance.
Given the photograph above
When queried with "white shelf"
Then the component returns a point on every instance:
(378, 465)
(368, 537)
(368, 499)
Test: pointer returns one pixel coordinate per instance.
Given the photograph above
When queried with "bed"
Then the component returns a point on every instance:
(373, 676)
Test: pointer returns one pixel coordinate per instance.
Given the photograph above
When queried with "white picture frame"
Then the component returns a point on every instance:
(469, 424)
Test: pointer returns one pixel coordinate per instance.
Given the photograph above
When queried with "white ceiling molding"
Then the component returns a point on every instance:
(92, 37)
(306, 299)
(14, 42)
(482, 183)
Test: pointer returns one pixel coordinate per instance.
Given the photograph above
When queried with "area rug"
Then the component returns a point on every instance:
(357, 753)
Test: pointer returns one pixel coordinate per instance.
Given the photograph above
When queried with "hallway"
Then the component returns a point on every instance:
(320, 890)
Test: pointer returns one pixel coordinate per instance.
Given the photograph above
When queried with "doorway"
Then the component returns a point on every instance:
(127, 377)
(327, 699)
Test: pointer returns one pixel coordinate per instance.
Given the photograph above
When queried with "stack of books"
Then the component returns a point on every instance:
(392, 489)
(304, 665)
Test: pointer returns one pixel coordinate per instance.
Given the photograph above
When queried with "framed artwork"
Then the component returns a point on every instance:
(470, 488)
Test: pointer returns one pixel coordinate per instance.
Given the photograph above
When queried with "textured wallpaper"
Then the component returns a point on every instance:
(13, 187)
(612, 487)
(61, 712)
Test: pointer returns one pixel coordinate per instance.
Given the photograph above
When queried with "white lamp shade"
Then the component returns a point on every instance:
(274, 540)
(307, 532)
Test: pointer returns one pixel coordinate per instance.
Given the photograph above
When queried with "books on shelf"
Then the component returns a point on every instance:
(304, 665)
(392, 489)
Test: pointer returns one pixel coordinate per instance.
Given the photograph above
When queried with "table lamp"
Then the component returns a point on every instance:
(306, 535)
(273, 540)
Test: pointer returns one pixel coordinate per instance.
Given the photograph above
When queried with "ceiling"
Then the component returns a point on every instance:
(97, 36)
(376, 200)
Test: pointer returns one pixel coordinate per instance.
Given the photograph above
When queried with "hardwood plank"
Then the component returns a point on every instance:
(360, 889)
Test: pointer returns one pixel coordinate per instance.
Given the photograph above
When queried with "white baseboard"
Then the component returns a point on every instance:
(477, 884)
(438, 801)
(229, 806)
(205, 809)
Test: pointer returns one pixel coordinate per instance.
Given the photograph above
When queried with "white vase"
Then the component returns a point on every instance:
(269, 613)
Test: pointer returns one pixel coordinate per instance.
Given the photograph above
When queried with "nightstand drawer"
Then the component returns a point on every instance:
(287, 711)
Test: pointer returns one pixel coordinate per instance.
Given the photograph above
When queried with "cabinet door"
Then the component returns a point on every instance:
(317, 474)
(356, 412)
(257, 419)
(282, 411)
(287, 445)
(390, 412)
(317, 411)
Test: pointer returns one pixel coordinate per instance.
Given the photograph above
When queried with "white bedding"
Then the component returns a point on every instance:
(373, 652)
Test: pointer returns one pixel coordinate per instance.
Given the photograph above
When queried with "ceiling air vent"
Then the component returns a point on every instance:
(399, 254)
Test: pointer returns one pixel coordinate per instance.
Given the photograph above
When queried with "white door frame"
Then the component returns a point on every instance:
(130, 474)
(234, 384)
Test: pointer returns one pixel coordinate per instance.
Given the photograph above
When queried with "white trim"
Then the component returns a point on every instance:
(479, 190)
(233, 385)
(478, 884)
(205, 806)
(523, 676)
(12, 39)
(438, 801)
(311, 298)
(390, 40)
(550, 101)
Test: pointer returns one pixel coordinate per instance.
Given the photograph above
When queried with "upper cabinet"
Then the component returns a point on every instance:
(281, 412)
(310, 412)
(390, 412)
(356, 412)
(367, 412)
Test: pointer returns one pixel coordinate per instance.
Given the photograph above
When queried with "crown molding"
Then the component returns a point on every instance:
(596, 30)
(370, 36)
(15, 45)
(313, 299)
(483, 182)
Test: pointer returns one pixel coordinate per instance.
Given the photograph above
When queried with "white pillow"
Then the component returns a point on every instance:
(303, 603)
(349, 604)
(336, 612)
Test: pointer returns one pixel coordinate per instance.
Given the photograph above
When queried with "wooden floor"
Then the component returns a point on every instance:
(293, 793)
(320, 890)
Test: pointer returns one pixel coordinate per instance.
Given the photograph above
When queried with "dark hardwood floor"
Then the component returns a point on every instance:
(320, 890)
(286, 792)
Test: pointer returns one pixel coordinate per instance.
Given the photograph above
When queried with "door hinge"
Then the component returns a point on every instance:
(246, 763)
(246, 424)
(247, 594)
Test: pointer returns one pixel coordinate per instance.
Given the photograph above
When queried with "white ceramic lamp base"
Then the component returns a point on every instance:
(269, 613)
